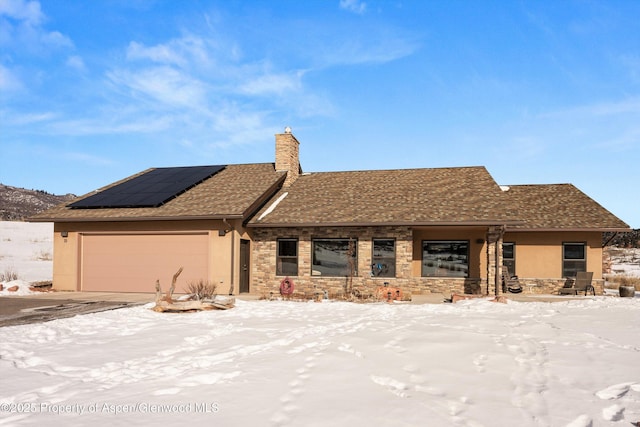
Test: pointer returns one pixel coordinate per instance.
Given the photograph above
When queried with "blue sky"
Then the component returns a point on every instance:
(537, 91)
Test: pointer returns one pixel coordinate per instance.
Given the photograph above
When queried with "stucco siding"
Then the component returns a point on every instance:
(216, 260)
(539, 254)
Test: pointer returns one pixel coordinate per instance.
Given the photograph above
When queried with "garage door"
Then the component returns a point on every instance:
(133, 262)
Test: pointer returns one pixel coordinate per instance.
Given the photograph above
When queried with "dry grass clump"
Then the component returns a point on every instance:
(43, 255)
(623, 280)
(8, 275)
(202, 289)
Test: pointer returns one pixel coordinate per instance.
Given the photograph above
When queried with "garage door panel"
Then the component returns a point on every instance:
(133, 263)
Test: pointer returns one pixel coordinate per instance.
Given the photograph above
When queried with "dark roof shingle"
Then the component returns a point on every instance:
(558, 206)
(236, 191)
(466, 195)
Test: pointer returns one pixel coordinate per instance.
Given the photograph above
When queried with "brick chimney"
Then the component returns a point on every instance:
(287, 156)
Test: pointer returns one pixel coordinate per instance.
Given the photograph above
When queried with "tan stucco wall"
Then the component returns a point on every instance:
(68, 251)
(539, 254)
(65, 260)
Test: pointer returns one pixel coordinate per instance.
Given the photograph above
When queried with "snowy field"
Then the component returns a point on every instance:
(626, 262)
(474, 363)
(27, 249)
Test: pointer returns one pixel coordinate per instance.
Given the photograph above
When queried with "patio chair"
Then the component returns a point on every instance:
(510, 283)
(582, 283)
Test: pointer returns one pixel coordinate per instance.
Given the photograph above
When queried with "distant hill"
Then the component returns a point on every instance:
(17, 204)
(630, 239)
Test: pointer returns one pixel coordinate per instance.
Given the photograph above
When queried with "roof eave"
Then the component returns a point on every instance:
(144, 218)
(557, 229)
(264, 198)
(386, 224)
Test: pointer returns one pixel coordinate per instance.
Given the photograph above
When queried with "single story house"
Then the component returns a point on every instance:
(246, 227)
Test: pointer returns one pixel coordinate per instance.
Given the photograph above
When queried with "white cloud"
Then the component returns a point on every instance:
(382, 50)
(181, 52)
(354, 6)
(625, 140)
(23, 30)
(280, 84)
(632, 63)
(28, 11)
(56, 39)
(134, 122)
(76, 63)
(162, 53)
(9, 82)
(11, 118)
(86, 158)
(626, 106)
(165, 84)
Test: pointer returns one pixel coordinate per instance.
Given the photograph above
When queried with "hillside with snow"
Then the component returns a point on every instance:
(19, 203)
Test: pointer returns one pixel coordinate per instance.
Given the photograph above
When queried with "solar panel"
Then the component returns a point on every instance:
(149, 190)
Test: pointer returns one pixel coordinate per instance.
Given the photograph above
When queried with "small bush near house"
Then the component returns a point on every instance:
(43, 255)
(8, 275)
(621, 280)
(202, 289)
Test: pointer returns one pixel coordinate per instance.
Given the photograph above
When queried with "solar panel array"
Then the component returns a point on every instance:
(151, 189)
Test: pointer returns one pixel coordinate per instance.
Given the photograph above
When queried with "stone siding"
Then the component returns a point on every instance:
(552, 286)
(265, 282)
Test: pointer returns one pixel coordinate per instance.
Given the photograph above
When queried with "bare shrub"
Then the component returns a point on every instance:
(8, 275)
(202, 289)
(623, 280)
(44, 255)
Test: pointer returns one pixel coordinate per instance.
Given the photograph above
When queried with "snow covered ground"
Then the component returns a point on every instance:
(27, 249)
(625, 261)
(474, 363)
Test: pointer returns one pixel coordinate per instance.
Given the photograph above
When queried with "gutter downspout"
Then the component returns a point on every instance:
(613, 236)
(233, 254)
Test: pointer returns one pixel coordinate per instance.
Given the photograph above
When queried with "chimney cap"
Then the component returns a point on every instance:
(287, 129)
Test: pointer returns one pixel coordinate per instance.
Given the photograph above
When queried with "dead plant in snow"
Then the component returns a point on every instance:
(617, 280)
(202, 289)
(8, 275)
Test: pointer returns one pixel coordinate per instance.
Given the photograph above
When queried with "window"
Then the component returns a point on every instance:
(573, 259)
(287, 257)
(509, 257)
(445, 258)
(334, 257)
(383, 258)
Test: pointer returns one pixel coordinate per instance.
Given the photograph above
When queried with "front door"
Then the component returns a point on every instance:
(244, 266)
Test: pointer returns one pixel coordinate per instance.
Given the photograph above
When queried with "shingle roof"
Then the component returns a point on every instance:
(439, 196)
(558, 206)
(467, 195)
(234, 192)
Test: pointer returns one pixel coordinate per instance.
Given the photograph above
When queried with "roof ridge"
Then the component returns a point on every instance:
(397, 169)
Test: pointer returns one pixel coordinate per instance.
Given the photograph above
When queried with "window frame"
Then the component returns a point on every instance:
(570, 271)
(377, 262)
(279, 265)
(423, 273)
(510, 262)
(348, 240)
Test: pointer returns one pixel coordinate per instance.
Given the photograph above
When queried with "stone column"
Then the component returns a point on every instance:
(494, 260)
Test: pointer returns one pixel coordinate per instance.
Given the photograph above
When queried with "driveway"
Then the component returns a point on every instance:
(20, 310)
